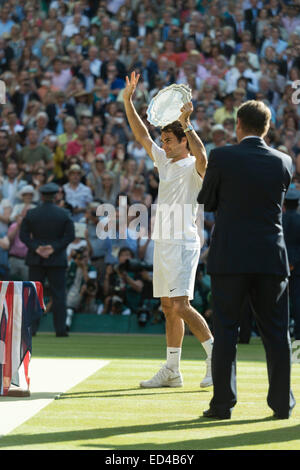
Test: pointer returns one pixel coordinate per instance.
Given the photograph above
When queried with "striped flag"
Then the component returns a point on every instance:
(20, 304)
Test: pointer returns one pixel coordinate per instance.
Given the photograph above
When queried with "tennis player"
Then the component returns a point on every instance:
(175, 234)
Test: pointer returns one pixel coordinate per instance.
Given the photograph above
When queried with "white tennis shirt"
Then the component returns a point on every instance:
(177, 207)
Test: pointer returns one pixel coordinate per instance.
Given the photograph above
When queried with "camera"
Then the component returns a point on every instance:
(91, 287)
(134, 266)
(143, 315)
(78, 253)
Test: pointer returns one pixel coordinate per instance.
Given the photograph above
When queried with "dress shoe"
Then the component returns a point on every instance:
(213, 414)
(18, 392)
(280, 416)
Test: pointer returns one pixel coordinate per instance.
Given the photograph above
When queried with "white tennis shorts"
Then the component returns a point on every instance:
(174, 270)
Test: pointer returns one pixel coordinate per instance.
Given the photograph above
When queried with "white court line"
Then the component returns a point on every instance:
(48, 378)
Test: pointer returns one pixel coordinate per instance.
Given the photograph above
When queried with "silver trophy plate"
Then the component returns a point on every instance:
(165, 107)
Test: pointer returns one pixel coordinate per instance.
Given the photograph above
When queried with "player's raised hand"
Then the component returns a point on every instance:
(186, 111)
(131, 85)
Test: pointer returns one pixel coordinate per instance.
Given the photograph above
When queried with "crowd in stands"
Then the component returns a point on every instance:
(64, 65)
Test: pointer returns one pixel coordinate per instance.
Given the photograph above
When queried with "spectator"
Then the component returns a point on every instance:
(122, 287)
(101, 249)
(26, 195)
(35, 153)
(18, 270)
(80, 271)
(58, 111)
(42, 121)
(12, 182)
(5, 213)
(6, 23)
(25, 93)
(7, 154)
(218, 136)
(78, 195)
(228, 110)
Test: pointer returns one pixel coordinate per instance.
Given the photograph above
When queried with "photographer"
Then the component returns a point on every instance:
(122, 286)
(79, 274)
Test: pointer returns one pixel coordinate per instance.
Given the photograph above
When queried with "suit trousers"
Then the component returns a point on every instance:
(268, 295)
(57, 283)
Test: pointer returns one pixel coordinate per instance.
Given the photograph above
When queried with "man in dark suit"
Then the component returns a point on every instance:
(58, 111)
(291, 229)
(24, 94)
(47, 230)
(246, 184)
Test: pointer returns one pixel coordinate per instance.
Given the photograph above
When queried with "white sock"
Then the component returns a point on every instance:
(208, 345)
(173, 358)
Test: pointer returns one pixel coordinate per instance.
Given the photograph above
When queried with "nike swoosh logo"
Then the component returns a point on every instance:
(171, 290)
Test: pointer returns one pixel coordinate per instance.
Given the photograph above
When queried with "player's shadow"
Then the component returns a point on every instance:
(234, 440)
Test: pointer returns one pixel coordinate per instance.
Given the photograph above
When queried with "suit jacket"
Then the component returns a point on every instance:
(246, 184)
(51, 110)
(17, 100)
(47, 224)
(291, 229)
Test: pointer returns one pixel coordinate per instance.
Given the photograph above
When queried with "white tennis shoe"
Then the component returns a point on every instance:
(164, 378)
(207, 381)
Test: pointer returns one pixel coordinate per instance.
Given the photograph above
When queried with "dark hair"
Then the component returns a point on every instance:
(254, 117)
(177, 129)
(125, 249)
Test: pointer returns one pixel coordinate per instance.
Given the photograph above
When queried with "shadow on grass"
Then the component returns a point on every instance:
(141, 347)
(237, 440)
(112, 394)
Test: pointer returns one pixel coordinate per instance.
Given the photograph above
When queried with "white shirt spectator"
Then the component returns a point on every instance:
(79, 197)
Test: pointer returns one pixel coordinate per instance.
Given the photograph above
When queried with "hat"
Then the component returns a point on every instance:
(49, 188)
(283, 149)
(218, 127)
(292, 195)
(74, 168)
(78, 94)
(28, 188)
(101, 157)
(227, 95)
(86, 113)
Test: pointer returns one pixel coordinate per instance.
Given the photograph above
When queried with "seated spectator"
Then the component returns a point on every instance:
(128, 175)
(74, 147)
(78, 195)
(35, 153)
(11, 182)
(118, 127)
(79, 241)
(228, 110)
(58, 156)
(110, 187)
(4, 264)
(5, 213)
(218, 138)
(94, 178)
(122, 287)
(25, 93)
(69, 133)
(18, 270)
(58, 111)
(80, 271)
(7, 154)
(101, 249)
(26, 195)
(42, 121)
